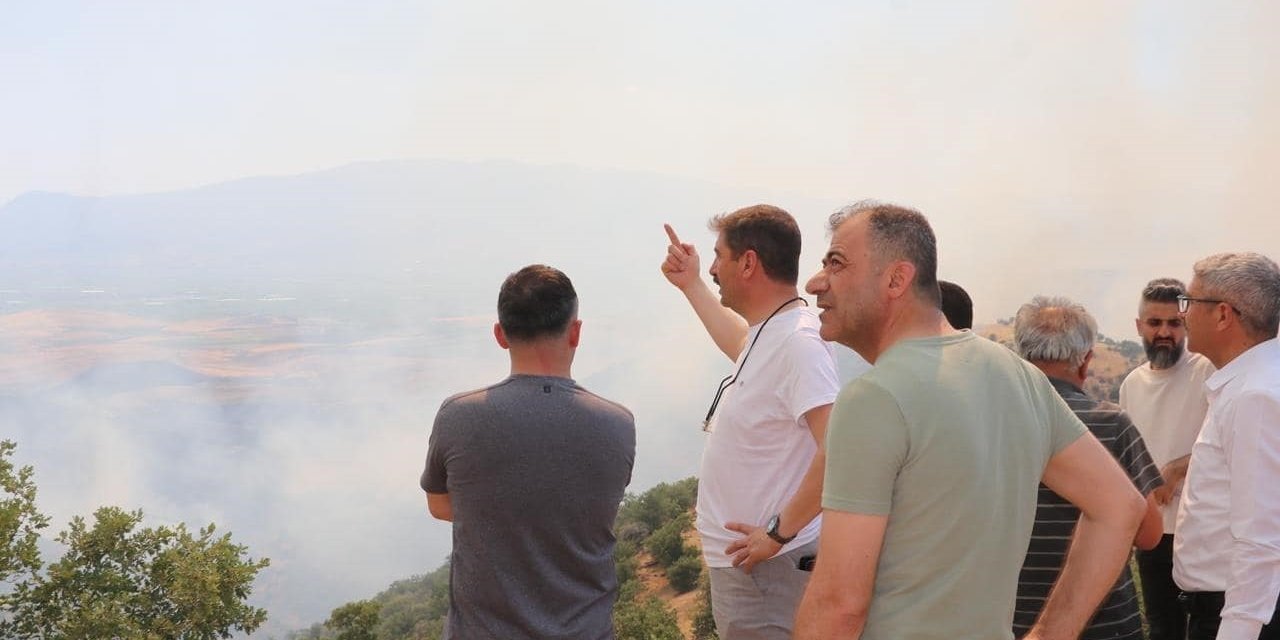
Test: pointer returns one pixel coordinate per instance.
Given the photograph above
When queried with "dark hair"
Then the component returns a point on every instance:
(536, 302)
(957, 306)
(898, 233)
(769, 231)
(1163, 290)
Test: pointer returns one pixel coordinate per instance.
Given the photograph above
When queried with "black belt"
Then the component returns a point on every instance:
(1203, 601)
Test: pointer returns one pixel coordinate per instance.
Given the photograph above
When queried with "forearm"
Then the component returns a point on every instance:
(1176, 470)
(1099, 550)
(441, 506)
(822, 614)
(726, 328)
(806, 504)
(1152, 527)
(1250, 596)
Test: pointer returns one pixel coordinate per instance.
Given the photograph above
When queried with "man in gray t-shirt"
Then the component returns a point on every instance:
(531, 471)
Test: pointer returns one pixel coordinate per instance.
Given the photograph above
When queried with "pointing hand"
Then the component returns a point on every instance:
(681, 265)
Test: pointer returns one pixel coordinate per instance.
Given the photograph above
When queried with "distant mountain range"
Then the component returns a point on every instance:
(435, 225)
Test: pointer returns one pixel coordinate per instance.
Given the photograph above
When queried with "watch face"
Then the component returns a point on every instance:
(772, 527)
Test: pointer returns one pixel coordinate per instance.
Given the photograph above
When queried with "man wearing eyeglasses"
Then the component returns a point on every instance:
(760, 480)
(1226, 552)
(1165, 397)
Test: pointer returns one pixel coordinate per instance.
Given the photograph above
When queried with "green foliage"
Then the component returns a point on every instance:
(657, 506)
(645, 618)
(624, 560)
(667, 544)
(20, 525)
(355, 620)
(414, 609)
(704, 623)
(683, 573)
(117, 580)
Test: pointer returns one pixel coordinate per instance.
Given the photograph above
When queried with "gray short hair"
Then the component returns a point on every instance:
(898, 233)
(1054, 329)
(1250, 282)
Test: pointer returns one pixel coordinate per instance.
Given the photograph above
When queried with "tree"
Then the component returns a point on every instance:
(645, 618)
(20, 525)
(355, 620)
(118, 580)
(683, 573)
(667, 543)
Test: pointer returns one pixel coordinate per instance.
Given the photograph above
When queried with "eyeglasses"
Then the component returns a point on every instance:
(1184, 303)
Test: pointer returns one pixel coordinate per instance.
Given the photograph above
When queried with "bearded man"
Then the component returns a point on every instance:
(1166, 399)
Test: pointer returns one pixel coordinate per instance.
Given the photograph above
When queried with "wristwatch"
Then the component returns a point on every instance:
(771, 530)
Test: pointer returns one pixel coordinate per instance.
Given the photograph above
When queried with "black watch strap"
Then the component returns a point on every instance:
(771, 530)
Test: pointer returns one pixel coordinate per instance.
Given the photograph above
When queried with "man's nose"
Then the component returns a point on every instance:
(816, 284)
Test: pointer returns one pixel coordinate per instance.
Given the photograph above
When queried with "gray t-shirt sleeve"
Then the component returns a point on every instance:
(866, 447)
(435, 476)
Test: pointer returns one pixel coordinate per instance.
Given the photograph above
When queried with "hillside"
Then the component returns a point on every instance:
(663, 593)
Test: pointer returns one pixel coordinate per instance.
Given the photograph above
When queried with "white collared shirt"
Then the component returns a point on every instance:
(1228, 530)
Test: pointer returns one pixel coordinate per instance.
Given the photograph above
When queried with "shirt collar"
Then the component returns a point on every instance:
(1252, 356)
(1065, 388)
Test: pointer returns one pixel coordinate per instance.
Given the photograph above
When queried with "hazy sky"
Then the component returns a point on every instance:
(1063, 147)
(832, 99)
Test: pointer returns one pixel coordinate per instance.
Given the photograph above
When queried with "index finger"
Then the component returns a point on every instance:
(671, 233)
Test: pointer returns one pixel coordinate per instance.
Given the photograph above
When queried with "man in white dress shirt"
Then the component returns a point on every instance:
(1226, 555)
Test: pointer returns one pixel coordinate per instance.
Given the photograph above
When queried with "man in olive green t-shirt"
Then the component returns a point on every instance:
(934, 458)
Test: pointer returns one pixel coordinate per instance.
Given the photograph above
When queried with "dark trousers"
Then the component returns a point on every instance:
(1165, 615)
(1204, 616)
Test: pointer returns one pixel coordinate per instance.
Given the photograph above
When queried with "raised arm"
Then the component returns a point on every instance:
(726, 328)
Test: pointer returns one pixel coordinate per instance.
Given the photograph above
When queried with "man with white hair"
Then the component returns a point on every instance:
(1226, 554)
(1057, 336)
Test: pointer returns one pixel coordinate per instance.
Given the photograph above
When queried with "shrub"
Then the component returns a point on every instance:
(683, 573)
(645, 618)
(666, 544)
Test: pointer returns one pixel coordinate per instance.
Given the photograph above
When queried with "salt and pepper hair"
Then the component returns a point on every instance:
(1250, 282)
(1054, 329)
(1163, 290)
(898, 233)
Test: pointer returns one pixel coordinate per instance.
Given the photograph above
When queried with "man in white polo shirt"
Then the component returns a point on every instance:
(760, 483)
(1226, 553)
(1165, 397)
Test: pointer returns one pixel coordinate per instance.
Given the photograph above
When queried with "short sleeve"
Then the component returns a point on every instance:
(1065, 426)
(812, 380)
(435, 476)
(867, 443)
